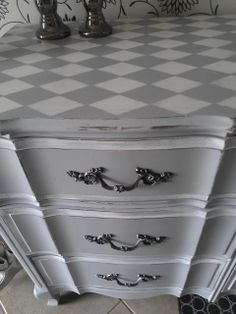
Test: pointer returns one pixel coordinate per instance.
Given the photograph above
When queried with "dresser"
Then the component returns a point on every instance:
(117, 159)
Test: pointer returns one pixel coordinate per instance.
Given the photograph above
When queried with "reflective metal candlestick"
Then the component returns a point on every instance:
(51, 25)
(95, 24)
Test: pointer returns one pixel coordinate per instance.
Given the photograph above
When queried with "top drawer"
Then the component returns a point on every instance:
(47, 170)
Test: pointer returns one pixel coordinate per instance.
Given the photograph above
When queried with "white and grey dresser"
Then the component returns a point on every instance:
(118, 158)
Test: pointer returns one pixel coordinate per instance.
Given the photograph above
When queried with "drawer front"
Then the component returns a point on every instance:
(218, 237)
(193, 170)
(167, 275)
(75, 236)
(79, 236)
(92, 274)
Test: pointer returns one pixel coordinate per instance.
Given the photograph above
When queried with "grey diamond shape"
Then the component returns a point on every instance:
(229, 102)
(118, 104)
(89, 95)
(177, 84)
(120, 85)
(32, 58)
(121, 68)
(210, 93)
(7, 105)
(13, 86)
(94, 77)
(63, 86)
(54, 106)
(30, 96)
(182, 104)
(228, 82)
(149, 94)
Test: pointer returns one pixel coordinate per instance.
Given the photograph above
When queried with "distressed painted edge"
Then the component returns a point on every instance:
(124, 144)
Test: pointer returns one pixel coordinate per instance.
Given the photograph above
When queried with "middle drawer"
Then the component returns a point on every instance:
(159, 236)
(81, 236)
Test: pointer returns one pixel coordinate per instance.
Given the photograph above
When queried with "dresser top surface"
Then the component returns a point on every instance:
(147, 68)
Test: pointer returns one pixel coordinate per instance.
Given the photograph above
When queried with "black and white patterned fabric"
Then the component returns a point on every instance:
(24, 11)
(194, 304)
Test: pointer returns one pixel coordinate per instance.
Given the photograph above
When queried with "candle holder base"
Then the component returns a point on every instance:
(95, 26)
(52, 27)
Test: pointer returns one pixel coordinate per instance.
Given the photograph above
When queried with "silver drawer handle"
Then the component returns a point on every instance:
(116, 277)
(94, 176)
(143, 239)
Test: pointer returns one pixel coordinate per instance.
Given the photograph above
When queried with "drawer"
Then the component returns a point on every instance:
(87, 274)
(172, 236)
(47, 170)
(168, 274)
(76, 236)
(218, 237)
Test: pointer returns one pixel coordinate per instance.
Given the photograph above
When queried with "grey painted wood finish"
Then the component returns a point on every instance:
(204, 277)
(68, 233)
(84, 273)
(230, 286)
(189, 167)
(220, 242)
(44, 214)
(226, 173)
(14, 187)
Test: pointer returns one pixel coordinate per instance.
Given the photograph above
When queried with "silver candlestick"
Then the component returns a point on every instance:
(51, 25)
(95, 24)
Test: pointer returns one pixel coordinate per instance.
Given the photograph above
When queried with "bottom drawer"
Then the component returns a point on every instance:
(90, 276)
(112, 276)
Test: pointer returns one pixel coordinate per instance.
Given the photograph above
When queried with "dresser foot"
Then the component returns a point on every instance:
(41, 293)
(53, 302)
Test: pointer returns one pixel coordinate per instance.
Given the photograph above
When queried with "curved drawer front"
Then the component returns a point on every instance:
(193, 173)
(218, 237)
(88, 274)
(79, 236)
(76, 236)
(170, 275)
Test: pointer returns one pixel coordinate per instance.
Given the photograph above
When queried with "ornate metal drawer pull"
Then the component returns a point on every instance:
(94, 176)
(116, 277)
(143, 239)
